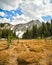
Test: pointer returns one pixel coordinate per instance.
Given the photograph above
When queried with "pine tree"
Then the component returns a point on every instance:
(39, 31)
(47, 29)
(0, 33)
(34, 31)
(51, 28)
(27, 34)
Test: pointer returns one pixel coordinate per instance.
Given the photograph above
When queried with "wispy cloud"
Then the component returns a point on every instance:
(10, 14)
(2, 14)
(36, 8)
(9, 4)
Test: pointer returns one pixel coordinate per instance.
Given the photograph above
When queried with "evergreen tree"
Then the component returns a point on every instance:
(4, 33)
(27, 35)
(0, 33)
(47, 29)
(51, 28)
(34, 31)
(39, 31)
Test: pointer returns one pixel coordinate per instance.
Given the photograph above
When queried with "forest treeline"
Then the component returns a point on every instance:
(43, 31)
(6, 33)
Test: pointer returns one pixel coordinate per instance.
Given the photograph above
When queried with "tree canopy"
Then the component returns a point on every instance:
(43, 31)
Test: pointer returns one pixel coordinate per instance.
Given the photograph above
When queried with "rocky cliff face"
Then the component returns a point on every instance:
(21, 28)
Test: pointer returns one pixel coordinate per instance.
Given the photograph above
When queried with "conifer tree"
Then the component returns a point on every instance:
(27, 35)
(51, 28)
(34, 31)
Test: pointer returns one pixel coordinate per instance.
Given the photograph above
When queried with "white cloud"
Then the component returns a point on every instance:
(46, 1)
(4, 20)
(20, 19)
(9, 4)
(36, 8)
(2, 14)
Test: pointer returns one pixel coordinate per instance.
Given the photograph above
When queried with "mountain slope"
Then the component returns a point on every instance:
(6, 26)
(21, 28)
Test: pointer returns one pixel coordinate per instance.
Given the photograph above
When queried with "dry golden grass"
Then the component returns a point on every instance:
(26, 52)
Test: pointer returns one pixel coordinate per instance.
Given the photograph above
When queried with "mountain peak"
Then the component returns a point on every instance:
(23, 27)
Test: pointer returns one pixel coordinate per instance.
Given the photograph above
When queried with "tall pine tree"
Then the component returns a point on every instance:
(34, 31)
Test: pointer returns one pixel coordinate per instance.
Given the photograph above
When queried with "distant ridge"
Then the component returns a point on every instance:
(5, 26)
(19, 29)
(23, 27)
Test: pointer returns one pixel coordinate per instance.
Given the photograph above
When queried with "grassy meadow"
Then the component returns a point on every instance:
(26, 52)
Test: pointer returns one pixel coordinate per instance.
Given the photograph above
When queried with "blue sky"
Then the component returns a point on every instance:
(17, 11)
(11, 13)
(47, 18)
